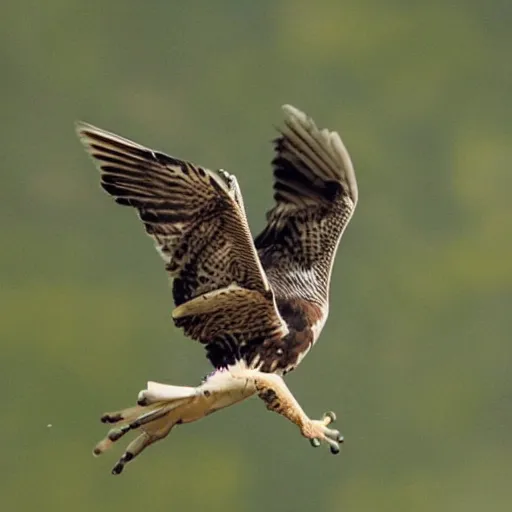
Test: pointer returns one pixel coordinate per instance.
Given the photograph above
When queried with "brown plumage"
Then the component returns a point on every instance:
(258, 306)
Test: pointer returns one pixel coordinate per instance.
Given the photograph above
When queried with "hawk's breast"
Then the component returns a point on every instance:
(304, 319)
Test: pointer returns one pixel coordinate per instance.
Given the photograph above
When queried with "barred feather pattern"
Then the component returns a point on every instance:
(197, 221)
(316, 193)
(263, 301)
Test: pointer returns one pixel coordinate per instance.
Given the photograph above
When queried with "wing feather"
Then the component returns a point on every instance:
(315, 190)
(246, 314)
(198, 223)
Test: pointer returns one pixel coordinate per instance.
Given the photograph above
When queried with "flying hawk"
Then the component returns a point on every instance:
(257, 306)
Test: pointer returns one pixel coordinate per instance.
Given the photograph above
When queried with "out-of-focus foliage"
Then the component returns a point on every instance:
(416, 355)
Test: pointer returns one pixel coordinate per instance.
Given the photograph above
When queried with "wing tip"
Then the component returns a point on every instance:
(81, 129)
(295, 115)
(291, 111)
(88, 134)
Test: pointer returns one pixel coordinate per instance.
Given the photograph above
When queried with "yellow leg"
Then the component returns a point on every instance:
(274, 392)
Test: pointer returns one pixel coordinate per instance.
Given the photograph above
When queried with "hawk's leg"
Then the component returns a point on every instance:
(161, 407)
(273, 391)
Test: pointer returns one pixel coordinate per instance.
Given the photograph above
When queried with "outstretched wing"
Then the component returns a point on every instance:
(316, 193)
(198, 223)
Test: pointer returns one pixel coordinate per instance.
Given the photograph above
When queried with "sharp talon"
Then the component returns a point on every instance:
(315, 442)
(340, 439)
(102, 446)
(111, 418)
(116, 433)
(331, 416)
(118, 468)
(335, 449)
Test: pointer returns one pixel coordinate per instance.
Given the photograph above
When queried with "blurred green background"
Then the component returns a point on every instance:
(416, 356)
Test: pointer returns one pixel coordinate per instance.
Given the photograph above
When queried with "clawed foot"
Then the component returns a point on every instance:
(128, 420)
(158, 409)
(317, 431)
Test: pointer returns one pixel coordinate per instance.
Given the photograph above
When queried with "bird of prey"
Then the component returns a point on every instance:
(257, 306)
